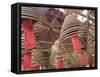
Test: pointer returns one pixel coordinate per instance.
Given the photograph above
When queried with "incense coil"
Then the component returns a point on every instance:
(66, 46)
(70, 26)
(71, 59)
(91, 34)
(92, 16)
(91, 23)
(39, 27)
(91, 39)
(91, 51)
(35, 13)
(32, 12)
(38, 57)
(91, 45)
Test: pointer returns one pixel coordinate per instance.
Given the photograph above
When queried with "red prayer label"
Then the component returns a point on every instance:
(29, 43)
(29, 38)
(27, 62)
(76, 43)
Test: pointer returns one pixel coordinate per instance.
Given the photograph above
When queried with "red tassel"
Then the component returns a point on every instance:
(37, 67)
(83, 59)
(76, 43)
(29, 38)
(27, 62)
(60, 63)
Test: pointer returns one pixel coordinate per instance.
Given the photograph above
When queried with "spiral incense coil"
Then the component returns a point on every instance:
(91, 50)
(92, 16)
(37, 57)
(70, 26)
(83, 34)
(39, 27)
(91, 58)
(91, 38)
(71, 59)
(91, 45)
(65, 50)
(40, 56)
(31, 12)
(91, 34)
(35, 13)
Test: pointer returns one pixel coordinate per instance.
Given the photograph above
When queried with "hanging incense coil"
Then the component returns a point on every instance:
(41, 53)
(32, 12)
(40, 56)
(71, 59)
(91, 24)
(65, 50)
(91, 38)
(39, 27)
(91, 49)
(35, 13)
(70, 26)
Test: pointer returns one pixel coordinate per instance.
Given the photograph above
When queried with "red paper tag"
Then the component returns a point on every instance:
(76, 43)
(29, 38)
(27, 61)
(29, 43)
